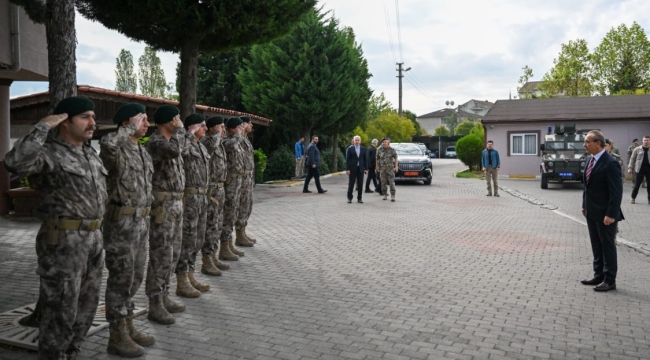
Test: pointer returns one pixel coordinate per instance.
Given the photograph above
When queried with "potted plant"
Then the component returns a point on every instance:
(25, 199)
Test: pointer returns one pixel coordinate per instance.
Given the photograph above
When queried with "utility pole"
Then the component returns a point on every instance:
(400, 76)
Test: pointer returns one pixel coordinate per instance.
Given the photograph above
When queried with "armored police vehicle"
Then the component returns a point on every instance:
(563, 155)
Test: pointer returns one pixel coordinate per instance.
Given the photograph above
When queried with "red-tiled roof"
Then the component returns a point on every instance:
(92, 89)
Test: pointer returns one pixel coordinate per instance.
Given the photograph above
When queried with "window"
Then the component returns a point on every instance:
(524, 144)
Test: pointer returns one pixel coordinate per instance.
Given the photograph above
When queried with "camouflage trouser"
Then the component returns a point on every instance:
(231, 205)
(194, 223)
(125, 243)
(71, 277)
(387, 178)
(215, 218)
(245, 202)
(165, 239)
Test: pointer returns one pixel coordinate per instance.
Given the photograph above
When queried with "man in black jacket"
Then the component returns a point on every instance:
(356, 166)
(312, 163)
(601, 206)
(372, 166)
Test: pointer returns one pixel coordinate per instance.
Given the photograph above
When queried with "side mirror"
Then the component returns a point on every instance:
(542, 147)
(432, 155)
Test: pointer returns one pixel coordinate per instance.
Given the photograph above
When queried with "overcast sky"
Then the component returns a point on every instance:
(457, 50)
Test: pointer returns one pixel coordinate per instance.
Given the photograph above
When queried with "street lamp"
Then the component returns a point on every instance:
(400, 76)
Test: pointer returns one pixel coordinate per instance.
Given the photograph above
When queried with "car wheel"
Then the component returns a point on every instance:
(544, 182)
(428, 181)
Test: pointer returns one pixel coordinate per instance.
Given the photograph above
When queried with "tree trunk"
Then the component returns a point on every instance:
(335, 164)
(189, 65)
(61, 46)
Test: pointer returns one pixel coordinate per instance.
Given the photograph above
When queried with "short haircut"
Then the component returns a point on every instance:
(374, 141)
(598, 137)
(490, 142)
(314, 136)
(646, 137)
(635, 140)
(356, 137)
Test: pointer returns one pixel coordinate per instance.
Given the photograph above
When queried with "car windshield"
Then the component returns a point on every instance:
(555, 145)
(575, 145)
(451, 148)
(408, 150)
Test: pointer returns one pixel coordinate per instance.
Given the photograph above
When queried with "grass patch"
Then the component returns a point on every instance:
(466, 174)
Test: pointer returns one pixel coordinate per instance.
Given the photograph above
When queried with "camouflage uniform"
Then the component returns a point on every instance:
(72, 181)
(217, 193)
(197, 173)
(235, 163)
(246, 192)
(386, 160)
(126, 222)
(168, 183)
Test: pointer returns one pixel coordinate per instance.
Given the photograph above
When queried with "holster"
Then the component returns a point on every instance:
(159, 214)
(52, 224)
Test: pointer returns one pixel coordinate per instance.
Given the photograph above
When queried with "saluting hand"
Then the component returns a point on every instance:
(137, 120)
(53, 121)
(194, 128)
(176, 121)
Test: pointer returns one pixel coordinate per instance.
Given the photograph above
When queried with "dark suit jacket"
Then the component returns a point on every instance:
(603, 191)
(313, 155)
(371, 160)
(352, 159)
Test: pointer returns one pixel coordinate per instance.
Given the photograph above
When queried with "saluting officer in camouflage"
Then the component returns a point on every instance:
(72, 180)
(166, 146)
(197, 173)
(126, 226)
(235, 154)
(387, 167)
(217, 196)
(246, 196)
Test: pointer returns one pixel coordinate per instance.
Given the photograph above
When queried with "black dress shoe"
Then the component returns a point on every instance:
(592, 281)
(603, 286)
(378, 191)
(349, 201)
(306, 191)
(360, 201)
(368, 191)
(322, 191)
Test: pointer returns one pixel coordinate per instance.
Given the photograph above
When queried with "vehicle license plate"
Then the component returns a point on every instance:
(411, 173)
(565, 174)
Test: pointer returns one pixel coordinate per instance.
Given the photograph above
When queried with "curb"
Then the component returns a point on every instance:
(293, 183)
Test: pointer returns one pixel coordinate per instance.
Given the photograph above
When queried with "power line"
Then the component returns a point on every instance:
(420, 84)
(399, 32)
(421, 91)
(390, 33)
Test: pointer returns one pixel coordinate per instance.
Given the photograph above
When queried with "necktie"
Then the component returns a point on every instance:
(590, 167)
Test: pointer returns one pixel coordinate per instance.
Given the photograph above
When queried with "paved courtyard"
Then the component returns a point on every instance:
(443, 273)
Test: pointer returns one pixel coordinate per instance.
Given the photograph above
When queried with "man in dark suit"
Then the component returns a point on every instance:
(312, 164)
(372, 165)
(356, 166)
(601, 206)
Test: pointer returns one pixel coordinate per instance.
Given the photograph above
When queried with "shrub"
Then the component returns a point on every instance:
(260, 165)
(327, 158)
(281, 164)
(469, 149)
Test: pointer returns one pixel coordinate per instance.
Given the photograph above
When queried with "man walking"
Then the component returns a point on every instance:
(372, 166)
(635, 144)
(356, 167)
(639, 166)
(126, 226)
(196, 163)
(491, 163)
(313, 165)
(601, 206)
(166, 146)
(387, 165)
(72, 180)
(299, 151)
(246, 197)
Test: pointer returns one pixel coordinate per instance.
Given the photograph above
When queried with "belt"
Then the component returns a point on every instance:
(195, 191)
(79, 224)
(167, 196)
(247, 172)
(137, 211)
(218, 185)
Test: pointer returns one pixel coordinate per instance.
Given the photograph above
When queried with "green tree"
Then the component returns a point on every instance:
(125, 78)
(622, 61)
(478, 130)
(389, 123)
(152, 77)
(451, 121)
(441, 131)
(469, 149)
(523, 79)
(217, 79)
(312, 80)
(571, 72)
(378, 104)
(419, 131)
(190, 26)
(464, 128)
(58, 16)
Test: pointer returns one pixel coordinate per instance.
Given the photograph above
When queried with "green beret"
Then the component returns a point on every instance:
(127, 111)
(233, 122)
(193, 119)
(165, 114)
(245, 119)
(74, 105)
(213, 121)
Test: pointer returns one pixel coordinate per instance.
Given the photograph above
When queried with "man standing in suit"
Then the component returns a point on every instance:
(313, 164)
(372, 154)
(601, 206)
(356, 166)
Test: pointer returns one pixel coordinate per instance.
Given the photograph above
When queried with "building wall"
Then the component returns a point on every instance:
(430, 124)
(468, 106)
(621, 132)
